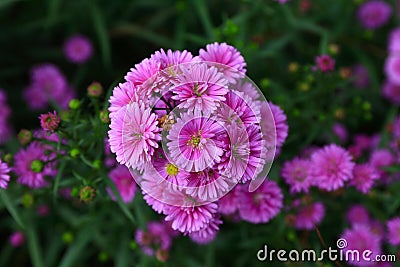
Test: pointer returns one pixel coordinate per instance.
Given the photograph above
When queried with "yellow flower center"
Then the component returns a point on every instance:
(194, 141)
(171, 169)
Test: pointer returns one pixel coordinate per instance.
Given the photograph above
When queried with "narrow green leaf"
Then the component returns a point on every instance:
(11, 208)
(57, 179)
(102, 35)
(205, 18)
(122, 257)
(121, 204)
(34, 246)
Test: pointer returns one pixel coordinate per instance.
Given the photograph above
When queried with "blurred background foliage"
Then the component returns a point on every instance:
(269, 35)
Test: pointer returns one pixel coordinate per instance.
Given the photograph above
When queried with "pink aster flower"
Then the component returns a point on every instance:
(193, 142)
(393, 227)
(123, 94)
(199, 87)
(364, 176)
(394, 41)
(47, 83)
(381, 158)
(309, 215)
(281, 124)
(360, 238)
(78, 49)
(171, 58)
(229, 60)
(208, 233)
(296, 173)
(207, 184)
(358, 214)
(331, 167)
(124, 183)
(374, 14)
(392, 69)
(31, 166)
(238, 109)
(134, 135)
(248, 89)
(5, 112)
(228, 203)
(191, 219)
(49, 121)
(325, 63)
(17, 239)
(155, 237)
(391, 92)
(261, 205)
(360, 76)
(4, 174)
(144, 75)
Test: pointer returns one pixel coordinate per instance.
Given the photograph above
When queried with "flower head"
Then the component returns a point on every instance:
(4, 174)
(231, 62)
(155, 237)
(31, 166)
(208, 233)
(193, 142)
(49, 121)
(364, 176)
(297, 174)
(261, 205)
(393, 227)
(358, 214)
(374, 14)
(325, 63)
(78, 49)
(391, 92)
(394, 41)
(143, 76)
(392, 69)
(309, 215)
(199, 87)
(331, 167)
(171, 58)
(124, 94)
(17, 239)
(134, 135)
(124, 183)
(381, 158)
(360, 76)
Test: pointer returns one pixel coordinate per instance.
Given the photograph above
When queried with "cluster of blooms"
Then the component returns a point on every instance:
(366, 233)
(374, 14)
(191, 128)
(391, 88)
(48, 84)
(5, 112)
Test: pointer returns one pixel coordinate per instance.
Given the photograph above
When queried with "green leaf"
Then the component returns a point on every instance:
(11, 208)
(57, 179)
(34, 246)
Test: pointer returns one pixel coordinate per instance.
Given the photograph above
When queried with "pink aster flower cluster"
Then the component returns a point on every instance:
(190, 128)
(47, 84)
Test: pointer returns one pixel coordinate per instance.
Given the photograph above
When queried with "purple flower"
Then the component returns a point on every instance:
(32, 166)
(331, 167)
(4, 174)
(5, 112)
(123, 94)
(17, 239)
(133, 135)
(364, 176)
(49, 121)
(78, 49)
(297, 174)
(393, 227)
(358, 214)
(229, 60)
(157, 236)
(124, 183)
(381, 158)
(325, 63)
(309, 215)
(392, 92)
(199, 87)
(361, 238)
(392, 69)
(193, 142)
(208, 233)
(394, 41)
(143, 76)
(228, 203)
(261, 205)
(340, 131)
(171, 58)
(47, 83)
(191, 219)
(374, 14)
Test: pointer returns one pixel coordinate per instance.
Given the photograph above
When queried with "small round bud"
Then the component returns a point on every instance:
(95, 89)
(68, 237)
(24, 136)
(103, 256)
(293, 67)
(104, 116)
(27, 200)
(162, 254)
(333, 49)
(8, 158)
(74, 152)
(74, 104)
(97, 164)
(87, 194)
